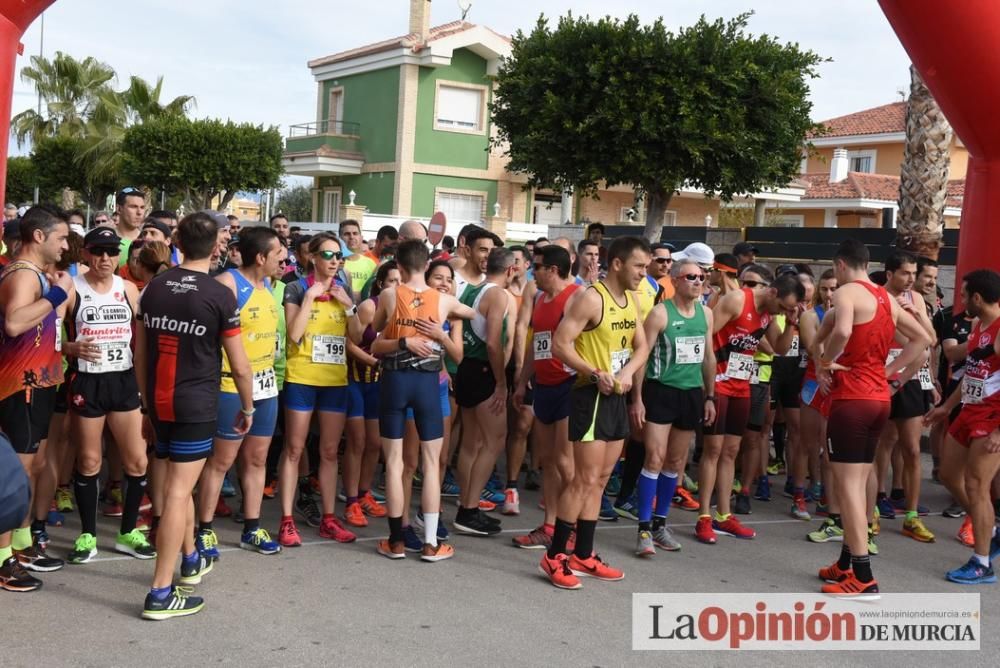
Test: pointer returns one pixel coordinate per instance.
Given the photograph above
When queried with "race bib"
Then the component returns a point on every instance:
(619, 358)
(804, 360)
(973, 390)
(893, 354)
(793, 349)
(690, 349)
(543, 345)
(755, 374)
(265, 384)
(924, 376)
(740, 366)
(328, 349)
(114, 357)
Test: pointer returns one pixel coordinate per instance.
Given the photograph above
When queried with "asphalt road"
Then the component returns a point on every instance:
(332, 604)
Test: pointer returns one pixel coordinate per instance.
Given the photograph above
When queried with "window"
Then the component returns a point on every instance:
(331, 206)
(462, 207)
(797, 220)
(335, 112)
(861, 161)
(459, 108)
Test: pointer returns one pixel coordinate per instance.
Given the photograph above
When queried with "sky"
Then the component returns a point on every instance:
(246, 59)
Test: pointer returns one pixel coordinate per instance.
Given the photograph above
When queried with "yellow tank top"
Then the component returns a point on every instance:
(608, 346)
(259, 330)
(320, 359)
(645, 296)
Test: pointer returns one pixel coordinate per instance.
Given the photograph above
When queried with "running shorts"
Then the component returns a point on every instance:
(684, 409)
(409, 388)
(183, 441)
(814, 398)
(362, 400)
(62, 399)
(975, 421)
(551, 402)
(853, 430)
(786, 381)
(25, 417)
(445, 402)
(474, 382)
(265, 416)
(950, 388)
(731, 415)
(760, 400)
(94, 395)
(309, 398)
(910, 401)
(597, 417)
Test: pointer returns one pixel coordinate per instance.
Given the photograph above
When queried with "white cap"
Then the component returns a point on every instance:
(78, 228)
(698, 252)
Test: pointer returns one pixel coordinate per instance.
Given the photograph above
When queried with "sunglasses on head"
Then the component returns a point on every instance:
(110, 252)
(754, 284)
(331, 255)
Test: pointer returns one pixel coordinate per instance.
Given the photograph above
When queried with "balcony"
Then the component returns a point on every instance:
(323, 148)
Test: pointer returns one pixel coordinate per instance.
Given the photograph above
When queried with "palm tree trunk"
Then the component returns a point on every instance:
(923, 184)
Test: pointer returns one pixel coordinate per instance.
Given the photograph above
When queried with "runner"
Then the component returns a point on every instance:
(408, 315)
(359, 267)
(600, 338)
(103, 393)
(588, 254)
(551, 382)
(671, 399)
(520, 416)
(131, 203)
(185, 317)
(30, 369)
(470, 265)
(863, 321)
(260, 250)
(740, 321)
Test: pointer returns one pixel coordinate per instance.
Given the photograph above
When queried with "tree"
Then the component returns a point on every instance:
(202, 159)
(616, 102)
(923, 182)
(58, 164)
(20, 180)
(296, 202)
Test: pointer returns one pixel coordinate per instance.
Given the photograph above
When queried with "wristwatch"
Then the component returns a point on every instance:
(402, 343)
(594, 377)
(895, 384)
(352, 311)
(710, 397)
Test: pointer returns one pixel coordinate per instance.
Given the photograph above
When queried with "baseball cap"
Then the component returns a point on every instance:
(727, 263)
(786, 269)
(744, 247)
(157, 225)
(234, 241)
(698, 252)
(220, 218)
(77, 228)
(102, 237)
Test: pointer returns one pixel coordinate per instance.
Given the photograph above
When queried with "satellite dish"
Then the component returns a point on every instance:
(465, 6)
(435, 229)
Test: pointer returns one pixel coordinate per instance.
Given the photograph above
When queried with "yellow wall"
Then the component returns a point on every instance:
(691, 211)
(888, 159)
(811, 217)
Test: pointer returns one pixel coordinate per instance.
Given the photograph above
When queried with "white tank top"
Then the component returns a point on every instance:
(107, 318)
(478, 322)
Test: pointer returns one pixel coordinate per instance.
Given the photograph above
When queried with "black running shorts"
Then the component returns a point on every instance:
(684, 409)
(474, 382)
(786, 382)
(854, 428)
(94, 395)
(597, 417)
(910, 401)
(25, 417)
(183, 441)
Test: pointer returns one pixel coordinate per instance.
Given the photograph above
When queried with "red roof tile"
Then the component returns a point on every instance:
(878, 120)
(859, 185)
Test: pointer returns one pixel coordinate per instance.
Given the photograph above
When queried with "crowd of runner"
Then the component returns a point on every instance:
(170, 358)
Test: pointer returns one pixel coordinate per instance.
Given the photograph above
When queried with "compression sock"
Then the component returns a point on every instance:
(135, 489)
(86, 491)
(844, 562)
(779, 430)
(560, 537)
(635, 453)
(585, 530)
(862, 568)
(431, 528)
(647, 490)
(666, 485)
(6, 553)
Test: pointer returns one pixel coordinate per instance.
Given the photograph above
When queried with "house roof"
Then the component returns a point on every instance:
(859, 185)
(408, 40)
(877, 120)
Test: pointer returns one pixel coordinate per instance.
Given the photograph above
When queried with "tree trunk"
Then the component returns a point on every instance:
(923, 184)
(657, 200)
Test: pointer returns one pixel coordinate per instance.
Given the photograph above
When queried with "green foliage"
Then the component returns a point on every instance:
(59, 163)
(296, 202)
(202, 158)
(20, 180)
(619, 102)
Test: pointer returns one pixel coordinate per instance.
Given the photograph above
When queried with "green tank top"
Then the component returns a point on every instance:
(679, 350)
(474, 331)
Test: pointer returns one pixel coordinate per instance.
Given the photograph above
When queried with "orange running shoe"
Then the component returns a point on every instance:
(558, 572)
(965, 535)
(371, 507)
(288, 534)
(594, 568)
(271, 489)
(391, 550)
(487, 506)
(684, 500)
(851, 587)
(833, 573)
(438, 552)
(354, 516)
(331, 528)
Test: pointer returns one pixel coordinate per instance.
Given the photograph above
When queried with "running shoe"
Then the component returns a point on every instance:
(485, 505)
(872, 547)
(689, 484)
(448, 486)
(371, 507)
(308, 509)
(40, 537)
(741, 504)
(558, 571)
(763, 492)
(378, 496)
(259, 541)
(390, 550)
(532, 481)
(511, 502)
(684, 500)
(228, 490)
(885, 509)
(900, 506)
(331, 528)
(222, 508)
(113, 503)
(146, 503)
(594, 568)
(954, 510)
(271, 489)
(536, 539)
(84, 549)
(737, 487)
(64, 500)
(777, 467)
(34, 558)
(644, 544)
(732, 527)
(438, 552)
(238, 515)
(495, 497)
(799, 510)
(494, 484)
(288, 534)
(135, 544)
(476, 524)
(418, 480)
(614, 485)
(418, 521)
(972, 573)
(834, 573)
(627, 508)
(965, 534)
(664, 538)
(916, 530)
(995, 548)
(828, 531)
(354, 516)
(789, 490)
(703, 530)
(814, 492)
(822, 510)
(13, 577)
(191, 574)
(207, 544)
(852, 588)
(144, 521)
(411, 541)
(178, 603)
(876, 526)
(608, 512)
(55, 518)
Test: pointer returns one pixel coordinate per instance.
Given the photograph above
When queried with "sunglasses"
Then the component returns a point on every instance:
(130, 191)
(282, 263)
(100, 221)
(694, 278)
(754, 284)
(664, 260)
(99, 252)
(330, 255)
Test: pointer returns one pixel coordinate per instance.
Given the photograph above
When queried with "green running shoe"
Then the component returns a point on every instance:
(135, 543)
(84, 549)
(828, 531)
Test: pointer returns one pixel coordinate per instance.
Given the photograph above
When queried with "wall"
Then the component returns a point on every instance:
(888, 159)
(424, 185)
(371, 99)
(373, 190)
(811, 217)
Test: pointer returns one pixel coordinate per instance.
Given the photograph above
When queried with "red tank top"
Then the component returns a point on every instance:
(865, 353)
(981, 383)
(735, 345)
(544, 319)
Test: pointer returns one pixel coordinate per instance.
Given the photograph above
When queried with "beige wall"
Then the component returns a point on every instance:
(888, 159)
(691, 211)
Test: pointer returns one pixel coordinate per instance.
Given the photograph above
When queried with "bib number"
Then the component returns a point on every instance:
(690, 349)
(327, 349)
(793, 349)
(543, 345)
(973, 390)
(619, 358)
(114, 357)
(755, 375)
(924, 376)
(265, 384)
(893, 354)
(740, 366)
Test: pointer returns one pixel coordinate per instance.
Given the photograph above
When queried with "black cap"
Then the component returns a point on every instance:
(744, 248)
(234, 240)
(784, 269)
(157, 225)
(12, 229)
(102, 237)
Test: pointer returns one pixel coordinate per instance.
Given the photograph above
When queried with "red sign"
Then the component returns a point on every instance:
(435, 229)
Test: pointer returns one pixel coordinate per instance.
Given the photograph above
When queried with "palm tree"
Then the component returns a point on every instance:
(923, 184)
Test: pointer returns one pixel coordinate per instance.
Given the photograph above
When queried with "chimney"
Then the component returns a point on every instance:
(838, 166)
(420, 19)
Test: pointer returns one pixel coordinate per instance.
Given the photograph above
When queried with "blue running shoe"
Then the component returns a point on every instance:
(763, 492)
(495, 484)
(227, 487)
(259, 541)
(378, 496)
(995, 548)
(206, 543)
(885, 509)
(418, 521)
(411, 541)
(614, 485)
(449, 487)
(608, 513)
(814, 492)
(972, 573)
(900, 506)
(55, 519)
(628, 508)
(495, 496)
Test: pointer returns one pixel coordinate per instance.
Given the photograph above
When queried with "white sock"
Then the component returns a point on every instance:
(984, 561)
(431, 528)
(649, 474)
(670, 474)
(994, 530)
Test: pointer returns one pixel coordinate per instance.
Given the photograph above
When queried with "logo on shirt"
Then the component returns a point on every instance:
(984, 340)
(105, 314)
(183, 286)
(168, 324)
